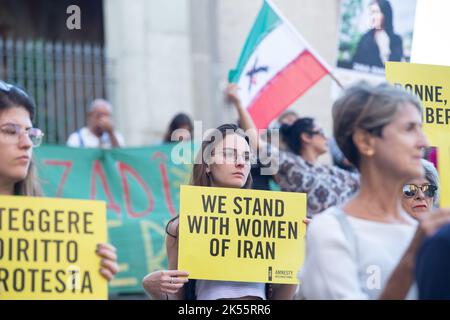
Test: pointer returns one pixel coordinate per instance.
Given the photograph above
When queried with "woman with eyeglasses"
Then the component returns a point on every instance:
(366, 248)
(421, 195)
(224, 160)
(299, 169)
(17, 169)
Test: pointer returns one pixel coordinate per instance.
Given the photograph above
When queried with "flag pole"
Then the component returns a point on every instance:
(336, 80)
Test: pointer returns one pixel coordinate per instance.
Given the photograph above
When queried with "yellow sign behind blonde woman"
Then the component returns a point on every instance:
(432, 85)
(47, 248)
(241, 235)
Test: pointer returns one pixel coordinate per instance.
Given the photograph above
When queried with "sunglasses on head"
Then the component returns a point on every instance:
(410, 190)
(7, 88)
(319, 132)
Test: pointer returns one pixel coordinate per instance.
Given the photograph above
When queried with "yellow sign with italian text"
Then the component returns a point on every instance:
(47, 248)
(432, 86)
(241, 235)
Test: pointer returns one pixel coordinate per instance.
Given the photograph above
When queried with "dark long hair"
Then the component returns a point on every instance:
(179, 121)
(291, 134)
(199, 176)
(11, 97)
(388, 16)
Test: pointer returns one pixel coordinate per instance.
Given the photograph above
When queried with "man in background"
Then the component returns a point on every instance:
(99, 132)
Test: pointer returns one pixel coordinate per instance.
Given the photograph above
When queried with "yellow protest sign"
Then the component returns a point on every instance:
(47, 248)
(432, 85)
(241, 235)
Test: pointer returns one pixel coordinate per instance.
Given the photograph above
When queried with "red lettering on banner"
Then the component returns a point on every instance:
(68, 166)
(123, 169)
(165, 179)
(98, 170)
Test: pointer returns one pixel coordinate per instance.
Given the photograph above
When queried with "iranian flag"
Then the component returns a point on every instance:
(275, 68)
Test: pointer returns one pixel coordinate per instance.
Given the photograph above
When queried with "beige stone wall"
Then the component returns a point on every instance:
(171, 56)
(148, 45)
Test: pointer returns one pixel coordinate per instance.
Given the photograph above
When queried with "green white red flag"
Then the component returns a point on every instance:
(275, 68)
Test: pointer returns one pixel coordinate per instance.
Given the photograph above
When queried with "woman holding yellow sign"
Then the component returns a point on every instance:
(222, 162)
(17, 171)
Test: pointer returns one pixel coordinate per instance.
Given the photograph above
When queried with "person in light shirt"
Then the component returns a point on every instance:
(366, 247)
(99, 132)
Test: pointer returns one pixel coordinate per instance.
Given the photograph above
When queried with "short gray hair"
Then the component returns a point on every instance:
(100, 101)
(366, 107)
(432, 176)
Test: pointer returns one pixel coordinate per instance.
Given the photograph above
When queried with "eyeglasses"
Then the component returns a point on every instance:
(11, 133)
(231, 156)
(410, 190)
(320, 132)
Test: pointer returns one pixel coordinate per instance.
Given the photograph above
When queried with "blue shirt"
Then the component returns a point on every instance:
(433, 266)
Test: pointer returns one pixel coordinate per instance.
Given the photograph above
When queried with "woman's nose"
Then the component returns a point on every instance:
(420, 195)
(423, 142)
(25, 141)
(240, 162)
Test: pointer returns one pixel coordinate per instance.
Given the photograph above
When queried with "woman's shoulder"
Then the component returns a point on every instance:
(288, 158)
(343, 173)
(325, 221)
(396, 39)
(369, 35)
(325, 234)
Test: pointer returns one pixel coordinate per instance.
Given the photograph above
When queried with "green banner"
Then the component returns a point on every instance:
(141, 188)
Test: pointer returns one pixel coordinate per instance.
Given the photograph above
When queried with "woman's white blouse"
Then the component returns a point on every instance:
(334, 268)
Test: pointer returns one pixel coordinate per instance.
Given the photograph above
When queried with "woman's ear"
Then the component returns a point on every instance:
(364, 142)
(305, 138)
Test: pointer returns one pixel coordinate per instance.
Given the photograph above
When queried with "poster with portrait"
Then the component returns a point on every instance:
(372, 32)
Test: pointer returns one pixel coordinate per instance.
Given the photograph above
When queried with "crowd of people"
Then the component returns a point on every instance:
(374, 227)
(370, 216)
